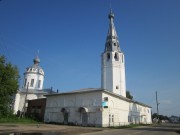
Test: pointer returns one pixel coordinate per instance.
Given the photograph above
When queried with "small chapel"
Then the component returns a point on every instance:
(101, 107)
(32, 87)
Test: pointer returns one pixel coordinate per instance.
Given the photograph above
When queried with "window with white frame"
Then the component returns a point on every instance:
(39, 83)
(32, 82)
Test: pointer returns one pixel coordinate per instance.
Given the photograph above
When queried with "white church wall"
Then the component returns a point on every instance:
(117, 112)
(149, 116)
(134, 114)
(31, 96)
(107, 76)
(16, 103)
(140, 114)
(122, 75)
(21, 103)
(113, 73)
(36, 77)
(116, 80)
(72, 103)
(20, 99)
(122, 112)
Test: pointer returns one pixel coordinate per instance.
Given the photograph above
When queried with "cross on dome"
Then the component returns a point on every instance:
(36, 60)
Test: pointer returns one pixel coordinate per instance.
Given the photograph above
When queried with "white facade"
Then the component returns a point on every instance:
(35, 81)
(113, 63)
(86, 107)
(32, 87)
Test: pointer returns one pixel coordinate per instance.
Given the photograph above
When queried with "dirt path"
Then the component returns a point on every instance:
(45, 128)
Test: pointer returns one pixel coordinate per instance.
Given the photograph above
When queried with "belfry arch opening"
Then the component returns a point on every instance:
(116, 56)
(108, 56)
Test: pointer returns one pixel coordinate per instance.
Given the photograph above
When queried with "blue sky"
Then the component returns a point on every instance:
(70, 36)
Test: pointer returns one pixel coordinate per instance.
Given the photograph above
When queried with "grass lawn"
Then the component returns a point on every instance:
(18, 120)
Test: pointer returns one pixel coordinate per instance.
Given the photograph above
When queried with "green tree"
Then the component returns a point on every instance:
(128, 95)
(155, 115)
(161, 117)
(9, 77)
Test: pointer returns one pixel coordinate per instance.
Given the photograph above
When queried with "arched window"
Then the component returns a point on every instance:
(109, 118)
(108, 56)
(32, 82)
(112, 118)
(39, 83)
(116, 56)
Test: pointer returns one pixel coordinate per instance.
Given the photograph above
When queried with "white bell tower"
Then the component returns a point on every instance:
(113, 62)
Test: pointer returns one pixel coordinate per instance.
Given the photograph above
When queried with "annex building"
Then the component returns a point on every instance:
(105, 106)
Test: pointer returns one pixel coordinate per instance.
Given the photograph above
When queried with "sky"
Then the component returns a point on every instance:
(70, 36)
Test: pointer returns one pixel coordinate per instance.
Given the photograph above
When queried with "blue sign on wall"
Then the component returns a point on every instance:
(105, 104)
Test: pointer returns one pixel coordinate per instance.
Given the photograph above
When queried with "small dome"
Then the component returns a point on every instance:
(35, 68)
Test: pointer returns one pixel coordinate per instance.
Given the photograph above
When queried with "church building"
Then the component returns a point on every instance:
(32, 87)
(102, 107)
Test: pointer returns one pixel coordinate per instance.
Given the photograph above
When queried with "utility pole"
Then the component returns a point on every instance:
(157, 103)
(25, 100)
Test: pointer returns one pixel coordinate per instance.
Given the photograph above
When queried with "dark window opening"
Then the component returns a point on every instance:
(109, 118)
(25, 81)
(108, 56)
(129, 119)
(116, 56)
(112, 118)
(105, 98)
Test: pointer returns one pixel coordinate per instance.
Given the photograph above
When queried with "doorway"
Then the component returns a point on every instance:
(65, 115)
(84, 115)
(84, 119)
